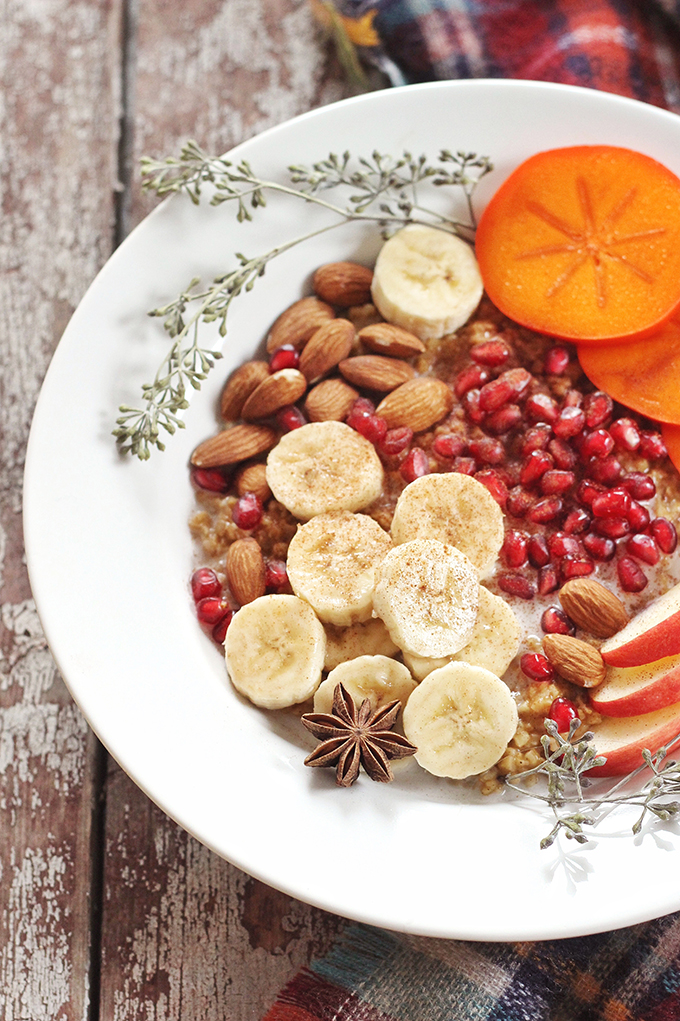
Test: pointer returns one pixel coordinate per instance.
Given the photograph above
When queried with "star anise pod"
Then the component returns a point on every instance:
(351, 737)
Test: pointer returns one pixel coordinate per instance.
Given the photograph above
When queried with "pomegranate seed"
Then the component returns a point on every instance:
(652, 446)
(362, 408)
(211, 610)
(204, 583)
(537, 551)
(569, 422)
(665, 534)
(545, 510)
(597, 407)
(541, 408)
(578, 440)
(371, 427)
(536, 464)
(219, 632)
(519, 502)
(275, 575)
(562, 712)
(576, 567)
(247, 511)
(495, 484)
(491, 352)
(556, 360)
(536, 438)
(470, 379)
(506, 388)
(213, 480)
(285, 357)
(576, 521)
(557, 481)
(448, 445)
(639, 485)
(464, 465)
(503, 420)
(644, 548)
(555, 622)
(536, 666)
(487, 450)
(625, 433)
(587, 491)
(472, 406)
(572, 399)
(564, 457)
(516, 585)
(597, 443)
(606, 470)
(395, 441)
(290, 418)
(638, 517)
(613, 528)
(561, 545)
(415, 465)
(631, 577)
(613, 503)
(547, 580)
(514, 549)
(599, 546)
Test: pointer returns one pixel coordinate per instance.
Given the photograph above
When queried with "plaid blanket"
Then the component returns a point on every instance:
(630, 47)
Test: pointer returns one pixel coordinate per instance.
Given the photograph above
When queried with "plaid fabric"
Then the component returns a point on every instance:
(630, 47)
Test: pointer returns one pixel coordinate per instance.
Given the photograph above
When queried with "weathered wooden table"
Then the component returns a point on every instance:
(108, 909)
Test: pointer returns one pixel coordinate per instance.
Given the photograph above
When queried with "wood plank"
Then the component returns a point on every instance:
(58, 121)
(186, 935)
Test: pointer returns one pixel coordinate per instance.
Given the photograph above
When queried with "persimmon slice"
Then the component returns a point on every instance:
(584, 243)
(641, 374)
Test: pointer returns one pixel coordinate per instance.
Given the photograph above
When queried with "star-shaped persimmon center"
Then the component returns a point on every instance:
(595, 241)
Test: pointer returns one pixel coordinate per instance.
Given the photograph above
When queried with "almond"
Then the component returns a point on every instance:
(253, 479)
(386, 339)
(418, 404)
(296, 325)
(245, 570)
(575, 660)
(283, 387)
(375, 372)
(230, 446)
(239, 387)
(330, 401)
(326, 347)
(343, 283)
(593, 607)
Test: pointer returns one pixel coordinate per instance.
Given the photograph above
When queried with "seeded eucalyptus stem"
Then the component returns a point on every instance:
(565, 765)
(383, 191)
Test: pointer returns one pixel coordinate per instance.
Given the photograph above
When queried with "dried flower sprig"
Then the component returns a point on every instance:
(382, 190)
(567, 760)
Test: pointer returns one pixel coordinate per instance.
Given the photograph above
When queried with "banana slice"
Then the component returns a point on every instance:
(331, 563)
(493, 644)
(377, 678)
(274, 651)
(324, 466)
(460, 718)
(427, 281)
(427, 595)
(368, 639)
(454, 508)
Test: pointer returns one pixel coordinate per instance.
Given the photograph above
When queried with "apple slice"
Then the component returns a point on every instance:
(630, 691)
(622, 739)
(652, 634)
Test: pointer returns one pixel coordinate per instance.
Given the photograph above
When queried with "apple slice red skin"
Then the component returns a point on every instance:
(658, 641)
(659, 689)
(622, 740)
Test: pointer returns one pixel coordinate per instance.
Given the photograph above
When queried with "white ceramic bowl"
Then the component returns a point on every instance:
(110, 556)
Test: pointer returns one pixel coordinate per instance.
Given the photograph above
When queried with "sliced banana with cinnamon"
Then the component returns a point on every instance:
(460, 718)
(379, 679)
